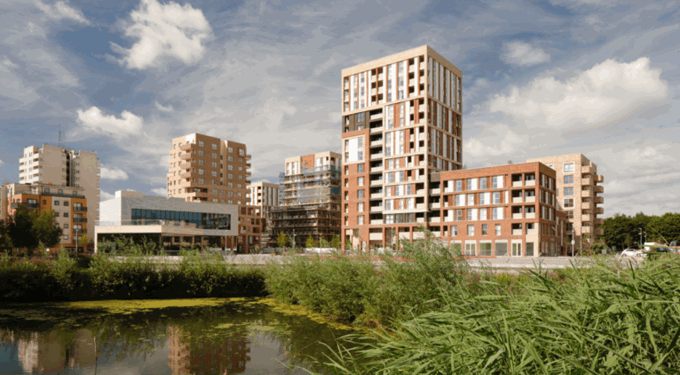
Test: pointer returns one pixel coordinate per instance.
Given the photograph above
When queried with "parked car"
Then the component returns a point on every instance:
(630, 252)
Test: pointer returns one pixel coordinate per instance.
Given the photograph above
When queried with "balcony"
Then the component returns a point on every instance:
(586, 206)
(185, 175)
(411, 68)
(79, 231)
(599, 211)
(377, 156)
(435, 206)
(599, 199)
(376, 209)
(517, 216)
(517, 184)
(530, 215)
(598, 221)
(434, 220)
(586, 181)
(599, 178)
(375, 236)
(516, 232)
(530, 183)
(599, 189)
(422, 80)
(377, 143)
(585, 218)
(248, 165)
(27, 205)
(599, 232)
(586, 194)
(531, 199)
(249, 173)
(80, 220)
(586, 169)
(585, 230)
(420, 206)
(188, 146)
(378, 129)
(248, 157)
(436, 191)
(377, 169)
(186, 156)
(517, 200)
(376, 222)
(376, 196)
(376, 182)
(531, 232)
(376, 116)
(79, 209)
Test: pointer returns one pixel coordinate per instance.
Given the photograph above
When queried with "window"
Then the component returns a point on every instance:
(360, 194)
(459, 185)
(200, 153)
(65, 214)
(360, 207)
(460, 200)
(470, 230)
(214, 182)
(454, 230)
(569, 179)
(498, 229)
(214, 174)
(470, 199)
(201, 181)
(200, 171)
(56, 203)
(485, 249)
(201, 144)
(241, 152)
(360, 220)
(360, 168)
(459, 215)
(65, 226)
(470, 248)
(501, 249)
(360, 116)
(568, 203)
(497, 198)
(472, 184)
(472, 214)
(482, 183)
(201, 162)
(484, 198)
(482, 214)
(530, 249)
(230, 149)
(230, 167)
(214, 155)
(497, 182)
(568, 167)
(214, 164)
(360, 181)
(568, 191)
(214, 146)
(484, 230)
(497, 213)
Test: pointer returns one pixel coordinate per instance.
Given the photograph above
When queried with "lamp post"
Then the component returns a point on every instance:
(640, 236)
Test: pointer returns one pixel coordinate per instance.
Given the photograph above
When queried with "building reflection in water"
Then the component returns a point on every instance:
(53, 352)
(195, 355)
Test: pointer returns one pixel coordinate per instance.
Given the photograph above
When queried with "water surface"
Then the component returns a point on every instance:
(202, 336)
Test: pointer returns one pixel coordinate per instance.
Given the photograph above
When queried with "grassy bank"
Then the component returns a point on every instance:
(135, 277)
(439, 317)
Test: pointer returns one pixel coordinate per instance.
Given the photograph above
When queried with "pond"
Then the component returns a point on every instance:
(188, 336)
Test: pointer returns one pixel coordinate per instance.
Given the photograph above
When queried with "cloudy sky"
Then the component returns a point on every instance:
(541, 78)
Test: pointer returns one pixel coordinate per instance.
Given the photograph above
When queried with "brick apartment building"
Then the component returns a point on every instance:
(401, 121)
(65, 167)
(579, 191)
(208, 169)
(309, 199)
(264, 196)
(68, 203)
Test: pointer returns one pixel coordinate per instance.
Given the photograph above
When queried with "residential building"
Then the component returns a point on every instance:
(580, 196)
(309, 198)
(401, 121)
(4, 210)
(168, 222)
(508, 210)
(210, 170)
(264, 196)
(70, 206)
(64, 167)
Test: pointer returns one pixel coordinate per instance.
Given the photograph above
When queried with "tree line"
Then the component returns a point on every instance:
(27, 229)
(624, 231)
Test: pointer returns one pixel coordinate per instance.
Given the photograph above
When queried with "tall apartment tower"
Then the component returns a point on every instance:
(264, 196)
(579, 192)
(208, 169)
(65, 167)
(309, 197)
(401, 121)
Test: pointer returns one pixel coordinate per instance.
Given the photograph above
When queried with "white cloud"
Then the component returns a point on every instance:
(602, 93)
(164, 30)
(61, 10)
(160, 191)
(495, 140)
(162, 108)
(523, 54)
(113, 174)
(2, 162)
(104, 196)
(94, 120)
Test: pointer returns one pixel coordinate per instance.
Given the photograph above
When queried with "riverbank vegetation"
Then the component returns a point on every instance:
(129, 274)
(436, 315)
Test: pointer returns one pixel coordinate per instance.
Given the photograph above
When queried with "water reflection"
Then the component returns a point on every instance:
(233, 338)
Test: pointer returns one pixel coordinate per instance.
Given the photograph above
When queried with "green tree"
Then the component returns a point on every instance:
(335, 242)
(20, 229)
(323, 243)
(5, 241)
(282, 239)
(46, 230)
(84, 240)
(311, 243)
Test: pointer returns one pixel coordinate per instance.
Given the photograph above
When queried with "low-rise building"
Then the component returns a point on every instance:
(68, 203)
(264, 196)
(168, 222)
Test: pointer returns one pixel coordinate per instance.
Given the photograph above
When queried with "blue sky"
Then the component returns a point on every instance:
(540, 78)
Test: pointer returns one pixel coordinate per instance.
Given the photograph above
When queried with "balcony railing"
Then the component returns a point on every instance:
(79, 209)
(27, 205)
(80, 220)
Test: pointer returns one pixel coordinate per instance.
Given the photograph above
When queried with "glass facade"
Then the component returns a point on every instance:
(202, 220)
